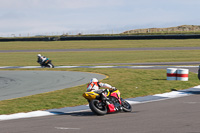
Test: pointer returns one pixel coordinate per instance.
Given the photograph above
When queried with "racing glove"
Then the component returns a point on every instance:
(113, 88)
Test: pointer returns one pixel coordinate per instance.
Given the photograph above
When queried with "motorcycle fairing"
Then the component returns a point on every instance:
(111, 108)
(116, 94)
(90, 95)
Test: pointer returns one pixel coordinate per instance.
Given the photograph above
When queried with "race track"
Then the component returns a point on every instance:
(16, 84)
(179, 115)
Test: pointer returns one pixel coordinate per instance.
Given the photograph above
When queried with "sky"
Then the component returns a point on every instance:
(56, 17)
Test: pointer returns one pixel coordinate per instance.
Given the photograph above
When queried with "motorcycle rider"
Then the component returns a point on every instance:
(41, 59)
(95, 85)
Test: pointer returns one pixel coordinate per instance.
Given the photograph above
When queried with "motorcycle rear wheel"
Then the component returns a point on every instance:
(50, 65)
(126, 106)
(98, 107)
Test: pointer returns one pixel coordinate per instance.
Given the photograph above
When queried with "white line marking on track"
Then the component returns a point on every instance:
(173, 94)
(25, 115)
(133, 102)
(67, 128)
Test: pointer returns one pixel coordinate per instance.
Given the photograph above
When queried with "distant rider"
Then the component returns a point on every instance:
(95, 85)
(41, 59)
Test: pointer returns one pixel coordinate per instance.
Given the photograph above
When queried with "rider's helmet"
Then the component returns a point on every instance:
(39, 55)
(93, 80)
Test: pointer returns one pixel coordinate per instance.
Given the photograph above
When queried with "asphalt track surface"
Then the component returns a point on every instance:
(178, 115)
(15, 84)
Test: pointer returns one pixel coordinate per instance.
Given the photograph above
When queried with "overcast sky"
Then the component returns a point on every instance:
(47, 17)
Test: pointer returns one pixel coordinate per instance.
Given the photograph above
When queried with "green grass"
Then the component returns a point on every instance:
(131, 83)
(90, 58)
(99, 44)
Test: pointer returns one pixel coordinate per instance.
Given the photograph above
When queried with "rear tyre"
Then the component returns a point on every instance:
(50, 65)
(98, 107)
(126, 107)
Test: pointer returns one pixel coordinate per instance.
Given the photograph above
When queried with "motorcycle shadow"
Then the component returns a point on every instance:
(81, 114)
(88, 113)
(85, 113)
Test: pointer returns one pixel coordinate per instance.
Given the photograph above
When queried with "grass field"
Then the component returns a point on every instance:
(99, 44)
(90, 58)
(131, 82)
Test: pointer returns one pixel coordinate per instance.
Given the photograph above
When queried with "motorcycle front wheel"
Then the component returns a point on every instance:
(98, 107)
(126, 106)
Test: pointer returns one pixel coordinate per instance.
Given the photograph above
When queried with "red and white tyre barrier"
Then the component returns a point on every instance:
(171, 73)
(182, 74)
(177, 74)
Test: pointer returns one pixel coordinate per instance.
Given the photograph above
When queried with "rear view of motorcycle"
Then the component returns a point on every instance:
(44, 61)
(112, 103)
(48, 63)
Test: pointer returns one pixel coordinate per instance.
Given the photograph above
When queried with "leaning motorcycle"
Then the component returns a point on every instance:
(47, 63)
(113, 102)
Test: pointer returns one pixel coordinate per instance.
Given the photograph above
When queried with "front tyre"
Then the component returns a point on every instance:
(98, 107)
(126, 107)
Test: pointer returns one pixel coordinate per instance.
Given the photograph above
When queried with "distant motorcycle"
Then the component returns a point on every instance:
(113, 103)
(47, 63)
